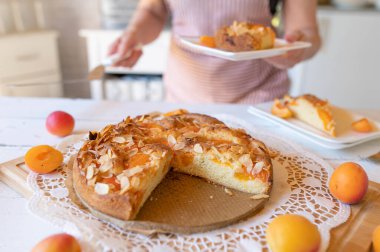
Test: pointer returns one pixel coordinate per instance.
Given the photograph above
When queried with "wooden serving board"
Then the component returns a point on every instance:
(354, 235)
(180, 203)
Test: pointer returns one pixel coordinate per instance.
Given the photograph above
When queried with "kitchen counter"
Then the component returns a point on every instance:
(22, 125)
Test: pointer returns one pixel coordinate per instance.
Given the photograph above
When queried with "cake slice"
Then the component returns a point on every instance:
(313, 111)
(243, 36)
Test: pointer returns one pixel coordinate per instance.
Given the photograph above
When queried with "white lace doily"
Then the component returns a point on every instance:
(300, 187)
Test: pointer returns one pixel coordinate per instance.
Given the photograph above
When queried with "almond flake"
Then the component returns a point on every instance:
(247, 162)
(130, 141)
(132, 171)
(147, 150)
(90, 171)
(215, 150)
(171, 140)
(124, 184)
(119, 139)
(228, 191)
(198, 148)
(91, 182)
(140, 144)
(259, 196)
(189, 135)
(101, 188)
(155, 155)
(179, 146)
(104, 167)
(163, 154)
(258, 167)
(133, 152)
(135, 182)
(111, 154)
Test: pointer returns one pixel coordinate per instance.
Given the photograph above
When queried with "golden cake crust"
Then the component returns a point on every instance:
(191, 143)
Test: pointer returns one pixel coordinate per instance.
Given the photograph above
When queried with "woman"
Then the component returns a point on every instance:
(192, 77)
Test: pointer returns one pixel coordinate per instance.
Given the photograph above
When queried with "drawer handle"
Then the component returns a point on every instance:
(27, 57)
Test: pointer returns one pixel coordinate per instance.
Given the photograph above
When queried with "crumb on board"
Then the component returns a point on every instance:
(228, 191)
(259, 196)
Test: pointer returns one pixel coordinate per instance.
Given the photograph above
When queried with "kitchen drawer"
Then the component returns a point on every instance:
(28, 53)
(44, 84)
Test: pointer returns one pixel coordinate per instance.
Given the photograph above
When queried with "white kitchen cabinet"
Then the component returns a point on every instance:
(29, 64)
(347, 69)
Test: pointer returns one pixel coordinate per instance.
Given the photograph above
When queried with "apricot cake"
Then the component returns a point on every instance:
(309, 109)
(117, 168)
(243, 36)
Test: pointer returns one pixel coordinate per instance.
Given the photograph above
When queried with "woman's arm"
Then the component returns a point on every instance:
(147, 23)
(300, 25)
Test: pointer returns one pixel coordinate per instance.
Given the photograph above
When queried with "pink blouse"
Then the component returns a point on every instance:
(197, 78)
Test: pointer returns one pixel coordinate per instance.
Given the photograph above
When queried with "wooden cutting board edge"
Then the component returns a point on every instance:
(14, 175)
(349, 236)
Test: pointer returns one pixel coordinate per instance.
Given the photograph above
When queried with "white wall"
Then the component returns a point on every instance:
(68, 17)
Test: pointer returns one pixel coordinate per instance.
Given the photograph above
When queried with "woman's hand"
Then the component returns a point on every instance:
(292, 58)
(127, 47)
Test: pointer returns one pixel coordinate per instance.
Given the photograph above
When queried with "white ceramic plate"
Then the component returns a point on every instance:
(346, 137)
(281, 47)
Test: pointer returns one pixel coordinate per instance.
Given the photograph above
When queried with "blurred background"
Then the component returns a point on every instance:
(47, 48)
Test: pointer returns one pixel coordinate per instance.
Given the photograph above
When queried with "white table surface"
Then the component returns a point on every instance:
(22, 125)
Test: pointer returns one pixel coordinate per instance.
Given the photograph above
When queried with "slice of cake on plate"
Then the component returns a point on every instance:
(313, 111)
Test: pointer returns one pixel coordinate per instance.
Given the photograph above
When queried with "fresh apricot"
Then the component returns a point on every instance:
(363, 125)
(280, 110)
(60, 123)
(43, 159)
(208, 41)
(58, 243)
(349, 183)
(292, 233)
(376, 239)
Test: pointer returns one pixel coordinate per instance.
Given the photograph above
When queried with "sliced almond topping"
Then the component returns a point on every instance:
(147, 150)
(111, 154)
(247, 162)
(103, 159)
(179, 146)
(135, 182)
(198, 148)
(133, 152)
(124, 184)
(215, 150)
(104, 167)
(259, 196)
(90, 171)
(91, 182)
(140, 144)
(155, 155)
(228, 191)
(101, 188)
(119, 139)
(130, 141)
(258, 167)
(132, 171)
(171, 140)
(189, 135)
(163, 154)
